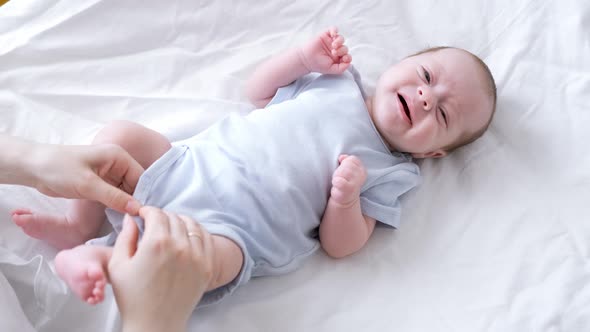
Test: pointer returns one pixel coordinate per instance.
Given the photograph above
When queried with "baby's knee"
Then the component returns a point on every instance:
(143, 144)
(116, 132)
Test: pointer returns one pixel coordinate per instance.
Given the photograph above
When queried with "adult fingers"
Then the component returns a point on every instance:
(156, 222)
(178, 228)
(115, 175)
(195, 233)
(97, 189)
(201, 249)
(126, 244)
(118, 165)
(131, 176)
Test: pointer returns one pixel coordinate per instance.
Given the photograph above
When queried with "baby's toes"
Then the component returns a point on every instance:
(97, 294)
(92, 300)
(95, 272)
(20, 211)
(97, 280)
(28, 224)
(98, 291)
(21, 217)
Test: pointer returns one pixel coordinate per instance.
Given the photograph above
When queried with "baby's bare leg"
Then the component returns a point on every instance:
(143, 144)
(83, 268)
(61, 231)
(228, 261)
(84, 218)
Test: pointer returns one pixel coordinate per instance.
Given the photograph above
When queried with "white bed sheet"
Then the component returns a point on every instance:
(496, 239)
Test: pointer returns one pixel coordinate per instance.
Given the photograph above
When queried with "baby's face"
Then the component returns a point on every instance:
(426, 102)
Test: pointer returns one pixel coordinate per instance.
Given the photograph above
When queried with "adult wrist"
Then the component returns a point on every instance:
(32, 163)
(146, 325)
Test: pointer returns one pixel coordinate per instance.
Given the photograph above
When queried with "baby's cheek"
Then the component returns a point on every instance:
(425, 136)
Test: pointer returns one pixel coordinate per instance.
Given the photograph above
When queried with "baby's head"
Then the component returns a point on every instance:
(433, 102)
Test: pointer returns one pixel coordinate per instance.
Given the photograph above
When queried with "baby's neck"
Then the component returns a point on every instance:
(369, 104)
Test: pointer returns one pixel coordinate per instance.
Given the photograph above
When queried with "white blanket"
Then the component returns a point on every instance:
(496, 239)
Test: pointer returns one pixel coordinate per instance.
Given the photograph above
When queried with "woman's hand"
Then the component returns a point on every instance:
(326, 53)
(158, 283)
(104, 173)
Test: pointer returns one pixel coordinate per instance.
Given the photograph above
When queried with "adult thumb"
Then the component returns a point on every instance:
(126, 244)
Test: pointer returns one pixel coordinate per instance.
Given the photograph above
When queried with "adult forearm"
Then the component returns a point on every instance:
(344, 230)
(149, 326)
(15, 161)
(274, 73)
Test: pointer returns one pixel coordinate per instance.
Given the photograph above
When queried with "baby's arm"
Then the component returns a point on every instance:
(344, 229)
(325, 54)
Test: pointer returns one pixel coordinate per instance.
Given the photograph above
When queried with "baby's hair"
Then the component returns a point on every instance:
(491, 89)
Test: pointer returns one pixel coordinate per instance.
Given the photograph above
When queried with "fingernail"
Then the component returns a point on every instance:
(132, 206)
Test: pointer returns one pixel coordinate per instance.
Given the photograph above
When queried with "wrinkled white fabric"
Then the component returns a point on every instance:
(34, 294)
(497, 236)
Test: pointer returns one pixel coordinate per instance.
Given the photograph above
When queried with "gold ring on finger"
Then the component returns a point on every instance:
(195, 234)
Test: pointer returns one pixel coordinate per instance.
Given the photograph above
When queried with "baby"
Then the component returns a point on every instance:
(318, 159)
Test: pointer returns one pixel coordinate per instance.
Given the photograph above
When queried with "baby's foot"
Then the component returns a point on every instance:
(55, 230)
(83, 270)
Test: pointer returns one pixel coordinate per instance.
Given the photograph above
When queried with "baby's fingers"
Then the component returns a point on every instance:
(337, 42)
(333, 31)
(341, 186)
(339, 182)
(342, 191)
(354, 160)
(343, 50)
(346, 172)
(339, 68)
(337, 194)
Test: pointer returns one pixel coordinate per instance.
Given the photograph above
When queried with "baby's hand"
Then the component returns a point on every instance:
(347, 180)
(326, 53)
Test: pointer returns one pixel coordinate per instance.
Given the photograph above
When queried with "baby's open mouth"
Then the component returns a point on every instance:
(405, 105)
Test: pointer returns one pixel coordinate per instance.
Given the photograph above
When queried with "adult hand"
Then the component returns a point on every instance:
(104, 173)
(158, 283)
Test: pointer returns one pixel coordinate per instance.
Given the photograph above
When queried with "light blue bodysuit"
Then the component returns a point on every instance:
(263, 180)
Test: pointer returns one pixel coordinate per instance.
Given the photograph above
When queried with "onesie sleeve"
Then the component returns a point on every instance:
(380, 199)
(292, 90)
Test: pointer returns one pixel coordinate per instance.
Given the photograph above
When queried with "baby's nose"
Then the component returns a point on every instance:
(425, 98)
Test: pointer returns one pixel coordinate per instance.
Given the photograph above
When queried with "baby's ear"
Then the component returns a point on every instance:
(433, 154)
